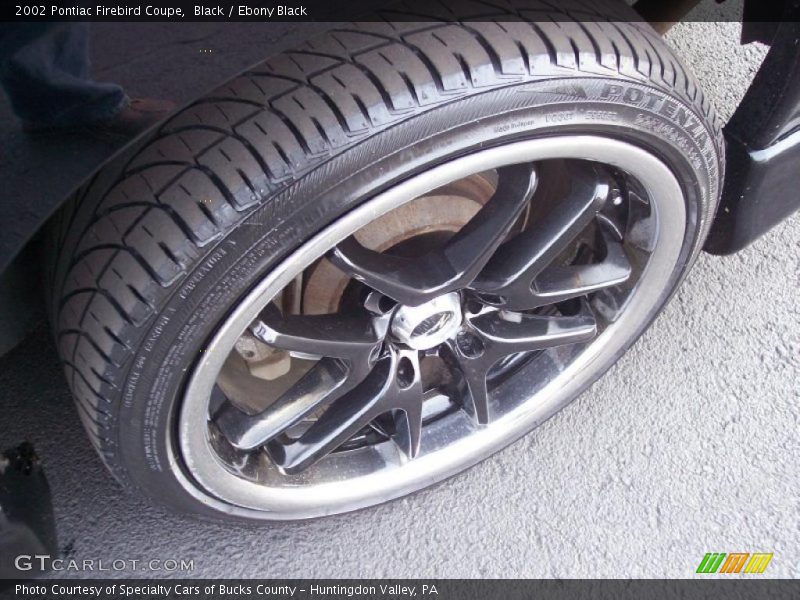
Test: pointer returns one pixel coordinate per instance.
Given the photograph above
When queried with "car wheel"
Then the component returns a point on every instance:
(373, 261)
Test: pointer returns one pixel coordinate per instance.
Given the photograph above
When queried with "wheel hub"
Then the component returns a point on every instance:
(427, 325)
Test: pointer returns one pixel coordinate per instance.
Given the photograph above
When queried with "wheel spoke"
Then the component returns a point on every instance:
(641, 224)
(509, 275)
(414, 281)
(556, 283)
(339, 336)
(493, 334)
(394, 385)
(324, 382)
(505, 333)
(348, 345)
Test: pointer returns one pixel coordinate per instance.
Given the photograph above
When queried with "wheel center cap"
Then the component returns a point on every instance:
(428, 325)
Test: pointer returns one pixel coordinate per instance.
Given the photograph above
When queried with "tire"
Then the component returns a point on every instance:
(155, 251)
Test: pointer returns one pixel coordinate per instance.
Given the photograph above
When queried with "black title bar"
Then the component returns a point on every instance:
(327, 10)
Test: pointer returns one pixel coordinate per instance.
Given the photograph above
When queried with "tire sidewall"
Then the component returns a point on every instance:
(634, 112)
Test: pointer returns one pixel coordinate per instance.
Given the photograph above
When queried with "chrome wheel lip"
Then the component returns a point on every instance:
(220, 489)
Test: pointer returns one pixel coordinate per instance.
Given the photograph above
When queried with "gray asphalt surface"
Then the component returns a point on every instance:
(689, 445)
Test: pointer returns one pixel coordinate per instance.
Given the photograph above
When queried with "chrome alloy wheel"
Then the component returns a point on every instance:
(444, 347)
